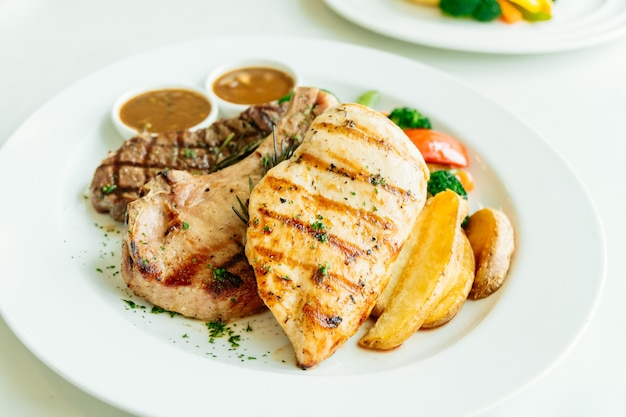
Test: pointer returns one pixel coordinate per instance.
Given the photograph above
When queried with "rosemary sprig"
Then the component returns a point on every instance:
(242, 212)
(225, 143)
(270, 161)
(237, 156)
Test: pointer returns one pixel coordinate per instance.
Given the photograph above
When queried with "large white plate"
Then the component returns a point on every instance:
(61, 293)
(575, 24)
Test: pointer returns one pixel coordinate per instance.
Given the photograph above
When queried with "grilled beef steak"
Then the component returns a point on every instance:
(117, 180)
(183, 246)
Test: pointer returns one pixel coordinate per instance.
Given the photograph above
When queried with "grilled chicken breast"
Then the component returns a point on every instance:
(183, 245)
(118, 178)
(326, 225)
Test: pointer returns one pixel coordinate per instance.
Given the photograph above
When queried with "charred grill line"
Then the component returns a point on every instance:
(356, 132)
(355, 288)
(354, 174)
(327, 320)
(319, 200)
(348, 250)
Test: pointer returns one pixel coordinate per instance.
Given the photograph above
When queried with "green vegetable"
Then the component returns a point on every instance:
(487, 10)
(458, 8)
(286, 97)
(406, 117)
(445, 180)
(369, 98)
(482, 10)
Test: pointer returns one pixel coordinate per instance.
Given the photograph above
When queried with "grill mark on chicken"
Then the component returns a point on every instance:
(348, 250)
(359, 134)
(279, 184)
(309, 269)
(325, 320)
(353, 174)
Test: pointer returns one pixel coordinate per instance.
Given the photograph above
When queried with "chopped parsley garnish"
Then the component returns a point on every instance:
(378, 180)
(219, 329)
(324, 268)
(109, 188)
(159, 310)
(133, 304)
(319, 228)
(189, 153)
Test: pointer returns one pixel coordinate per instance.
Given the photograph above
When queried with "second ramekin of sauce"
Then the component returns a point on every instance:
(163, 108)
(241, 84)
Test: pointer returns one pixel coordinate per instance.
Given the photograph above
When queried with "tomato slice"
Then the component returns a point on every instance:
(438, 147)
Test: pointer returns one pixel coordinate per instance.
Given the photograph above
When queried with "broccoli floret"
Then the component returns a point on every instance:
(445, 180)
(458, 8)
(487, 10)
(406, 117)
(482, 10)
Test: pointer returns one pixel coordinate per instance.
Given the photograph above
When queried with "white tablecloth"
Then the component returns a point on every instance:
(576, 100)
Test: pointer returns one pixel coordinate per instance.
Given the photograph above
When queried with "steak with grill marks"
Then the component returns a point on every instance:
(183, 246)
(118, 178)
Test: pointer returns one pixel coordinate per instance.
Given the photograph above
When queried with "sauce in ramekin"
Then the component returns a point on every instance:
(165, 110)
(253, 85)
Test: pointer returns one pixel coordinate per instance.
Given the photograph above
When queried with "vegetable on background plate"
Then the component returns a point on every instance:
(481, 10)
(509, 11)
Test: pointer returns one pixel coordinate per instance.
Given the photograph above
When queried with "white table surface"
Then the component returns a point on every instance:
(576, 100)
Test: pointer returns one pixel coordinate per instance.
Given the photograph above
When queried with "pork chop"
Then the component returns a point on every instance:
(183, 245)
(326, 225)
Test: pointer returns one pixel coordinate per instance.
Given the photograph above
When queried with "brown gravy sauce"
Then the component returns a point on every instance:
(165, 110)
(253, 85)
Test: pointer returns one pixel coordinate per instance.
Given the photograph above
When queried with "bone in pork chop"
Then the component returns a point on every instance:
(119, 176)
(326, 225)
(183, 245)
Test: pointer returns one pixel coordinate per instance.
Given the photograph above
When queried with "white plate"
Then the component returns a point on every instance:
(61, 294)
(575, 24)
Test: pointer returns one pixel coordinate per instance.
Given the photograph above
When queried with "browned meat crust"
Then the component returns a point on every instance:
(117, 180)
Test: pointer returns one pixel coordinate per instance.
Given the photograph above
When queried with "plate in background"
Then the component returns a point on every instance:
(575, 24)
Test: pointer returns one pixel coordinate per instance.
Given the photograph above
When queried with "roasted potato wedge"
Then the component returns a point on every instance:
(429, 273)
(452, 302)
(398, 266)
(492, 237)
